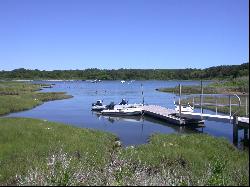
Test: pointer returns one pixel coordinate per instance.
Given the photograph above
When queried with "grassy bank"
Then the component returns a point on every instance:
(16, 97)
(28, 146)
(184, 160)
(37, 152)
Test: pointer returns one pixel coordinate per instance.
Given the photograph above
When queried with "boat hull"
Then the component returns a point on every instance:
(98, 108)
(110, 113)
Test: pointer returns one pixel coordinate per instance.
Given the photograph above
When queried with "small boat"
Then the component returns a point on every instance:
(123, 81)
(184, 108)
(124, 104)
(98, 106)
(122, 111)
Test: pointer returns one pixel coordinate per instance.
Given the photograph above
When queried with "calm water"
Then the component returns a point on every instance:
(131, 131)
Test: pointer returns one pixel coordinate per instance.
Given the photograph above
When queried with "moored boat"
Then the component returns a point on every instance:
(121, 110)
(129, 111)
(98, 106)
(184, 108)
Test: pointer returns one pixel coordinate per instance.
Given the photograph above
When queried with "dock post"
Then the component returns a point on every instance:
(201, 99)
(193, 102)
(216, 103)
(245, 134)
(230, 107)
(142, 95)
(246, 106)
(235, 130)
(180, 101)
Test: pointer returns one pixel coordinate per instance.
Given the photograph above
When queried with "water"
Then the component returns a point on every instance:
(131, 131)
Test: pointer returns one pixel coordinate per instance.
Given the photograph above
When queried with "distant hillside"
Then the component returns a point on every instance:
(218, 72)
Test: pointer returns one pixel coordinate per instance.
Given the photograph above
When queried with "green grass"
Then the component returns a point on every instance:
(27, 143)
(37, 152)
(188, 160)
(17, 88)
(16, 97)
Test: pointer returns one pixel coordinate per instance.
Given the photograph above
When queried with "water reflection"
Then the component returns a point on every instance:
(113, 119)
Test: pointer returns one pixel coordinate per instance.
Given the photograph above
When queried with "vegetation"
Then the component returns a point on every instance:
(218, 72)
(196, 159)
(26, 144)
(22, 96)
(233, 86)
(37, 152)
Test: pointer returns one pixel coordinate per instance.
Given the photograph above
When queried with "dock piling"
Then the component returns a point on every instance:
(235, 130)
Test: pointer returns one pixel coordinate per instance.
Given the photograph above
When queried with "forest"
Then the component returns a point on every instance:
(216, 72)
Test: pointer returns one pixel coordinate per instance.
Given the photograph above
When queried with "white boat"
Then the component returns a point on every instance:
(184, 108)
(122, 81)
(122, 110)
(129, 111)
(98, 106)
(124, 104)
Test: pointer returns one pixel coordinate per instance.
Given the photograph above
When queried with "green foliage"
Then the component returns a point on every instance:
(218, 72)
(37, 152)
(27, 143)
(199, 159)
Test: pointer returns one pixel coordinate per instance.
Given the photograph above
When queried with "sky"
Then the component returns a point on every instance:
(113, 34)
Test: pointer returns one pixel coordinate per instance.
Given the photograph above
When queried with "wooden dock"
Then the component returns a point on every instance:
(169, 115)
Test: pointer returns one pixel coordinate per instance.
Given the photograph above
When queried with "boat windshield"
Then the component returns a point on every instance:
(124, 102)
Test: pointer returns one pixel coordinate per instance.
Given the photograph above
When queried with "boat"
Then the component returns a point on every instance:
(123, 81)
(130, 110)
(124, 104)
(95, 81)
(98, 106)
(184, 108)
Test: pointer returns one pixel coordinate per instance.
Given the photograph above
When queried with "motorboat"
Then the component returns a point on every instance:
(95, 81)
(184, 108)
(121, 111)
(124, 104)
(130, 111)
(98, 106)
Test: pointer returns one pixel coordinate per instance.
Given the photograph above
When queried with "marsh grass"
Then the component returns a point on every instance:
(37, 152)
(168, 160)
(191, 160)
(26, 145)
(16, 97)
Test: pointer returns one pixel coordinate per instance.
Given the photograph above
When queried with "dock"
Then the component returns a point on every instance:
(242, 121)
(170, 116)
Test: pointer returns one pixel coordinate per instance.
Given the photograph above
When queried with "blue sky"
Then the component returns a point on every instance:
(112, 34)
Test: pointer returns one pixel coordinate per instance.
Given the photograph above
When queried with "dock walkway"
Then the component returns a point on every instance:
(169, 115)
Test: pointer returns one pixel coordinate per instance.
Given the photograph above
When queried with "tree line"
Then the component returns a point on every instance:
(217, 72)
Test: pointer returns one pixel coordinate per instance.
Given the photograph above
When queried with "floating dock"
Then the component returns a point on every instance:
(170, 116)
(242, 121)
